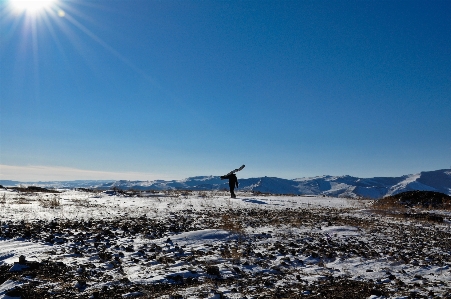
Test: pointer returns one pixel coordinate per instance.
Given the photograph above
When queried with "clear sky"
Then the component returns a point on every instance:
(143, 89)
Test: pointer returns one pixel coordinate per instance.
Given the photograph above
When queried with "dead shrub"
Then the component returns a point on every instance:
(52, 203)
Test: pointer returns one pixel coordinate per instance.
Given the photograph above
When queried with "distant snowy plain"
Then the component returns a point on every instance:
(205, 244)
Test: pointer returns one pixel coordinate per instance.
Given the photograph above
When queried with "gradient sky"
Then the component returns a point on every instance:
(143, 89)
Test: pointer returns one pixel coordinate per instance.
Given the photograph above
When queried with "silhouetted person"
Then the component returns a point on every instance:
(233, 180)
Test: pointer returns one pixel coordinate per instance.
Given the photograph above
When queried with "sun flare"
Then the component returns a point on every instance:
(31, 6)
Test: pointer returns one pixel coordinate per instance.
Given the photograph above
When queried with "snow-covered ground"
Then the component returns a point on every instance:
(81, 244)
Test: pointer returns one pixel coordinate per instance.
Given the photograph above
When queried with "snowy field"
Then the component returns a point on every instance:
(80, 244)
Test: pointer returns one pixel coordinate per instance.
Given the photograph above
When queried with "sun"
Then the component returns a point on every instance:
(31, 6)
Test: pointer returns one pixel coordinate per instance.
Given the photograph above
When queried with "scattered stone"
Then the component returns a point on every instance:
(22, 260)
(213, 270)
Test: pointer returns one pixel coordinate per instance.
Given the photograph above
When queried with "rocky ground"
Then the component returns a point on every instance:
(256, 250)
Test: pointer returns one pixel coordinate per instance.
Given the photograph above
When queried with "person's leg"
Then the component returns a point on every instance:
(232, 194)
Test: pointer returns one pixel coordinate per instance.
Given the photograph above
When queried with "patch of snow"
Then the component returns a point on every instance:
(341, 231)
(10, 250)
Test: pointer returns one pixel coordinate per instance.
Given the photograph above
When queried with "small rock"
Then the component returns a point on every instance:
(213, 270)
(376, 292)
(80, 284)
(14, 293)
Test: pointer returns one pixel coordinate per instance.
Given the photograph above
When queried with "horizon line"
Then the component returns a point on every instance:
(39, 173)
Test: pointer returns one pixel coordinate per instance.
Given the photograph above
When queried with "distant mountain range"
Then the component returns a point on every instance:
(338, 186)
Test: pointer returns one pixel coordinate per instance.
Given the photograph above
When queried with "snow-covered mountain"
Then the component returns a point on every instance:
(338, 186)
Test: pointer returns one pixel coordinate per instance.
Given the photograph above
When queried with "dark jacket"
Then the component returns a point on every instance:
(233, 180)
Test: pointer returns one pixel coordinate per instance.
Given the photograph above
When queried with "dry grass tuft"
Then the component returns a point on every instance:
(186, 193)
(204, 194)
(399, 204)
(389, 205)
(22, 201)
(81, 202)
(52, 203)
(414, 205)
(232, 223)
(446, 204)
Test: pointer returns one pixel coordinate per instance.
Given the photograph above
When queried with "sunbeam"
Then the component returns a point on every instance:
(38, 14)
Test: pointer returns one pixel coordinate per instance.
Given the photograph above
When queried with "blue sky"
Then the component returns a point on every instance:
(144, 89)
